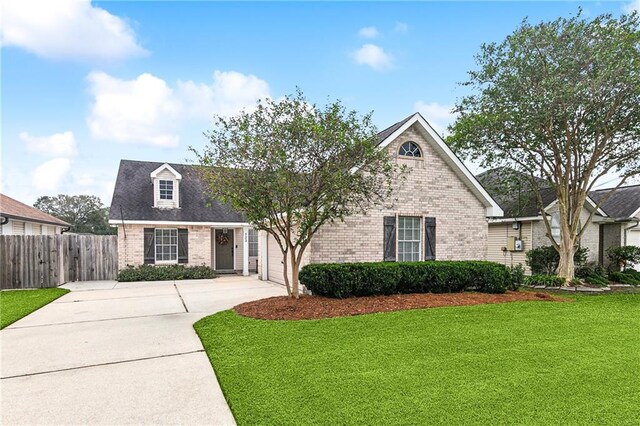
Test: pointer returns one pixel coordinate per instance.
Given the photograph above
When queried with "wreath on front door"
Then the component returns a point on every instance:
(222, 239)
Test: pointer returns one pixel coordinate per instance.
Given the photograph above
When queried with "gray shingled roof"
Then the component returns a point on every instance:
(622, 204)
(389, 130)
(134, 194)
(513, 193)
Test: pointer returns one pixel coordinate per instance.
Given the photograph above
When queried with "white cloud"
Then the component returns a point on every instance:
(633, 6)
(67, 29)
(374, 56)
(230, 93)
(48, 176)
(368, 32)
(401, 27)
(147, 110)
(56, 145)
(439, 116)
(143, 110)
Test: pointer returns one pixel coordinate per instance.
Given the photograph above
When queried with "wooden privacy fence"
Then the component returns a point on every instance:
(38, 261)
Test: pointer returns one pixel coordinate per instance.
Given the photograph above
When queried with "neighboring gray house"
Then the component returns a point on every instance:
(164, 217)
(522, 227)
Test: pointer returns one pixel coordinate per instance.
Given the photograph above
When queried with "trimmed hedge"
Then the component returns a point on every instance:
(627, 277)
(546, 280)
(340, 280)
(165, 273)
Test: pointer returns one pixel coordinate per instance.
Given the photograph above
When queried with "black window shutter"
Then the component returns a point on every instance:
(389, 238)
(430, 238)
(149, 245)
(183, 246)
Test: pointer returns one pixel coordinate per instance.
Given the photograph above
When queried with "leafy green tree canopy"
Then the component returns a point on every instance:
(292, 166)
(85, 213)
(557, 101)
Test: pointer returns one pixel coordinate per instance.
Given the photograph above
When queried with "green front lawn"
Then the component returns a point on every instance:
(514, 363)
(16, 304)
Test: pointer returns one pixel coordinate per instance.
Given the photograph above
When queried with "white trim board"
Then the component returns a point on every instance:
(156, 172)
(492, 208)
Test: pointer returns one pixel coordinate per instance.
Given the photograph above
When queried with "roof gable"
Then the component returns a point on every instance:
(388, 135)
(166, 166)
(624, 203)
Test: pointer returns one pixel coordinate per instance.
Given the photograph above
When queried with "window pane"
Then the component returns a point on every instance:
(409, 238)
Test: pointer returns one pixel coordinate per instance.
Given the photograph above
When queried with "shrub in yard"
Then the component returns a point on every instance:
(366, 279)
(625, 278)
(517, 276)
(623, 256)
(596, 280)
(165, 273)
(545, 280)
(590, 269)
(544, 260)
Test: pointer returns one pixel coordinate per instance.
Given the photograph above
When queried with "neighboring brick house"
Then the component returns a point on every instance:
(164, 217)
(438, 212)
(17, 218)
(613, 224)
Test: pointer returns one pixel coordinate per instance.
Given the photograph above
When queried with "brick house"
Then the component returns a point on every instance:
(438, 212)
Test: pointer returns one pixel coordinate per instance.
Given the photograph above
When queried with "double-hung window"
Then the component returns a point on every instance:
(409, 239)
(253, 242)
(166, 189)
(166, 245)
(555, 227)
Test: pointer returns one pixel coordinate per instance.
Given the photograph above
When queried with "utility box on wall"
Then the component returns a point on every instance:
(515, 244)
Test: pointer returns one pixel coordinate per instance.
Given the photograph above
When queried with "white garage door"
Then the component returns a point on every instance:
(274, 264)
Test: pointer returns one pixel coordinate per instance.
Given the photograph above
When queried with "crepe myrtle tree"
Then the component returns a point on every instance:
(291, 167)
(558, 101)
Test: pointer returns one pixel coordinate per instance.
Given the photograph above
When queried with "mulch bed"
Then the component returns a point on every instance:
(316, 307)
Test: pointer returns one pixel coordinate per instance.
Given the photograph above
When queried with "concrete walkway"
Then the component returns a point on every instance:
(119, 353)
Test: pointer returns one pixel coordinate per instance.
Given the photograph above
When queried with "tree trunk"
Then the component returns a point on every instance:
(285, 268)
(295, 269)
(566, 267)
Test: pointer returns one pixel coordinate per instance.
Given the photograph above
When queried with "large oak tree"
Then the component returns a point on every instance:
(560, 102)
(291, 167)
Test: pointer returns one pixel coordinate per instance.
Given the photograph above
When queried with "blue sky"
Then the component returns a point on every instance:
(85, 84)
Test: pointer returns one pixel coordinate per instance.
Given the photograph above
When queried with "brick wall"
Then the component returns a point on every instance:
(131, 248)
(430, 189)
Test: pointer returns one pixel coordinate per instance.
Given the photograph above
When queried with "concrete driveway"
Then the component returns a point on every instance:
(119, 353)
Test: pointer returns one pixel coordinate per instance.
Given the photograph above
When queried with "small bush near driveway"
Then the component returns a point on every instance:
(165, 273)
(16, 304)
(367, 279)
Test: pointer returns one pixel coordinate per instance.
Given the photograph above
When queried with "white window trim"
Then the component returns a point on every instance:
(155, 244)
(412, 157)
(420, 229)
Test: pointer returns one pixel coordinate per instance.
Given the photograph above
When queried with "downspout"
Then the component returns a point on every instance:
(5, 220)
(65, 229)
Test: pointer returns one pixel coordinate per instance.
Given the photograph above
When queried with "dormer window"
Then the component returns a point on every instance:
(166, 189)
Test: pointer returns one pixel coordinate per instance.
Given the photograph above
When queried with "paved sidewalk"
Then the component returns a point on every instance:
(119, 353)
